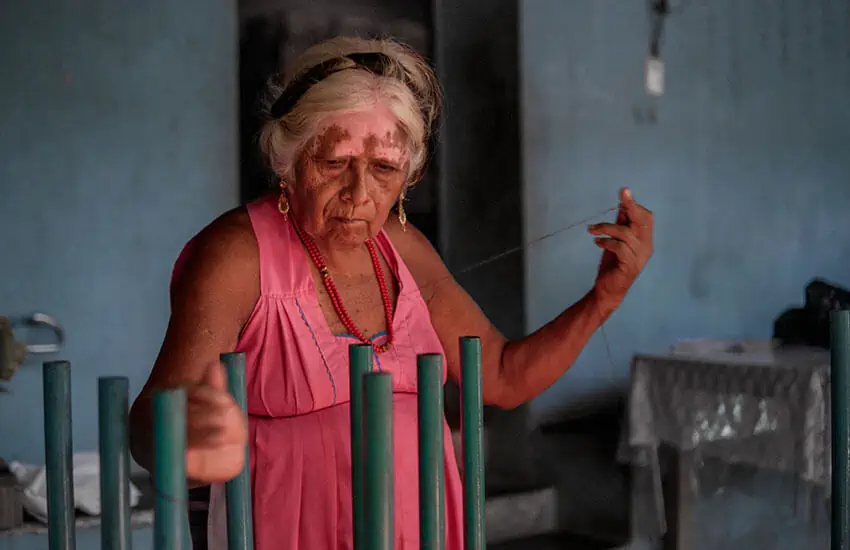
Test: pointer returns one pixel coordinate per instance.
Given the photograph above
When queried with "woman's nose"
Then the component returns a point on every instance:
(358, 188)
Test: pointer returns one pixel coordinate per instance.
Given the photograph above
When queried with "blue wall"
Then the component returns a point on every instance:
(745, 167)
(117, 143)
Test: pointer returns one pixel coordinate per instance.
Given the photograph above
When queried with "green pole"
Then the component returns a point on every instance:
(360, 362)
(840, 388)
(378, 460)
(472, 430)
(431, 475)
(113, 407)
(58, 450)
(240, 527)
(169, 470)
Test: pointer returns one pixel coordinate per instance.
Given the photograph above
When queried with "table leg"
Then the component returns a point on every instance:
(679, 496)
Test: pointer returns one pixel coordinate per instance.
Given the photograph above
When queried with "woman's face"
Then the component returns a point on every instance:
(349, 177)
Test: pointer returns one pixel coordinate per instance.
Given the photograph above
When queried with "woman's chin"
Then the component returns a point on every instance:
(350, 233)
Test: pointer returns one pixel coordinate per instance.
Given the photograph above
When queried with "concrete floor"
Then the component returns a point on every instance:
(592, 495)
(552, 542)
(735, 507)
(593, 489)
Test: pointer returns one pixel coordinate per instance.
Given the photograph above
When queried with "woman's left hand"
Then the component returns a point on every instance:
(627, 246)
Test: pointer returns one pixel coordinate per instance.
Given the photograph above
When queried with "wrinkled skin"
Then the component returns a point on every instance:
(349, 178)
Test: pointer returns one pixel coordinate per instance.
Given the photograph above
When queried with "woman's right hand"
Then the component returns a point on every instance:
(217, 430)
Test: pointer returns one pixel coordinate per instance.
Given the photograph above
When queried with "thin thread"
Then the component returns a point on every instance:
(513, 250)
(522, 247)
(377, 361)
(318, 347)
(605, 337)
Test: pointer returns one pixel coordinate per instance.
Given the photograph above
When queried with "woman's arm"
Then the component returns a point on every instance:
(517, 371)
(213, 293)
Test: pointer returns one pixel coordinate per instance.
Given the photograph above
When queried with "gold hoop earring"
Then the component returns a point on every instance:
(402, 215)
(283, 201)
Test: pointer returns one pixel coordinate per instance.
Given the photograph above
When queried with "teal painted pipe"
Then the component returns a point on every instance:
(378, 460)
(113, 408)
(432, 503)
(840, 389)
(472, 434)
(360, 362)
(58, 460)
(240, 525)
(171, 527)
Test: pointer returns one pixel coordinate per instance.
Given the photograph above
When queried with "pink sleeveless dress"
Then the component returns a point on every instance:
(298, 406)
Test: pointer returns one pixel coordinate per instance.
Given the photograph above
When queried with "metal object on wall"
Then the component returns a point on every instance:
(14, 352)
(41, 320)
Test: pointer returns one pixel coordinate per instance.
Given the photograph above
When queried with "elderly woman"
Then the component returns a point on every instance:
(329, 260)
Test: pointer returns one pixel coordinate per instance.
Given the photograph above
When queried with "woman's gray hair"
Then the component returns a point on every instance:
(409, 89)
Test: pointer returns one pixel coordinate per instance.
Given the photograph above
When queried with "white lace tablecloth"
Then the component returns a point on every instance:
(762, 407)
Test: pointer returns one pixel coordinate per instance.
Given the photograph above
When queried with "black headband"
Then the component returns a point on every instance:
(376, 63)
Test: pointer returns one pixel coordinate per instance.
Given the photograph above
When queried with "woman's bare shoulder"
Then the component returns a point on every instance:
(213, 291)
(229, 235)
(223, 257)
(419, 255)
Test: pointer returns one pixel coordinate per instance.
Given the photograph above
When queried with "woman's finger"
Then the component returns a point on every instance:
(211, 434)
(619, 232)
(210, 396)
(215, 465)
(205, 436)
(200, 415)
(623, 253)
(639, 218)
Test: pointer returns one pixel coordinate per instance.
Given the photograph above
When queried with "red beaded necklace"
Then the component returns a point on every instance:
(336, 300)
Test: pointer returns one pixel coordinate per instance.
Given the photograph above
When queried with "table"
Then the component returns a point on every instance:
(745, 405)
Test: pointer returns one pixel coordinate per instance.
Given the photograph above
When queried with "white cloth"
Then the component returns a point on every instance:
(86, 481)
(739, 402)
